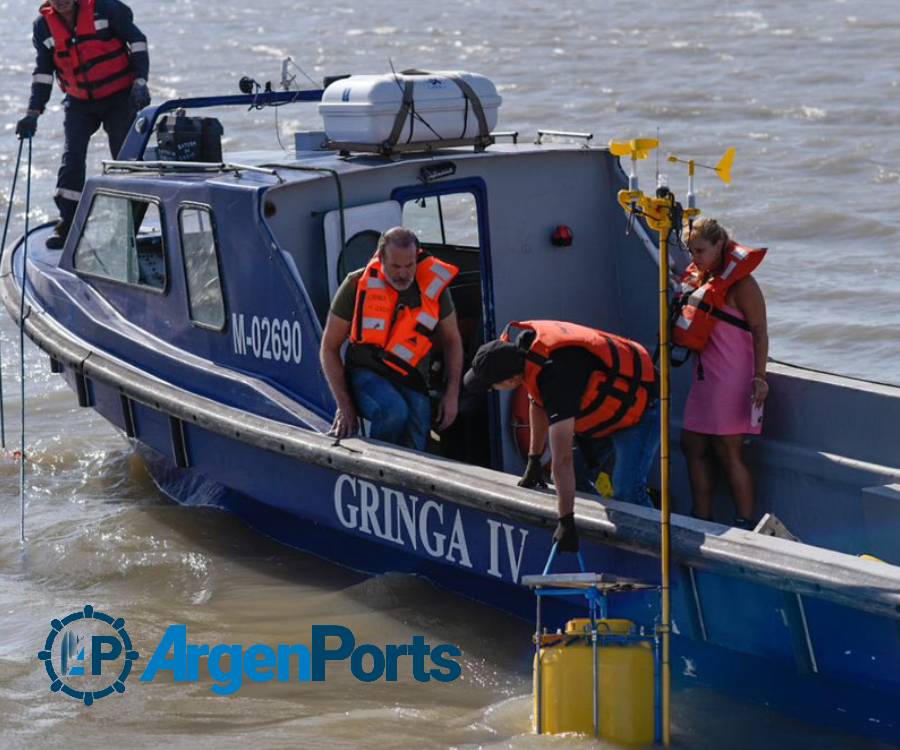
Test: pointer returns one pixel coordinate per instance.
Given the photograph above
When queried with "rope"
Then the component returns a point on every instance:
(12, 195)
(22, 346)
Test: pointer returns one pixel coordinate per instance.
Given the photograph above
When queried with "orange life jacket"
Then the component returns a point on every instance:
(403, 337)
(90, 63)
(699, 305)
(619, 389)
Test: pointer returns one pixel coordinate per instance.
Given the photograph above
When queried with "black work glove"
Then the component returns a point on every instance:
(534, 474)
(26, 127)
(566, 535)
(140, 95)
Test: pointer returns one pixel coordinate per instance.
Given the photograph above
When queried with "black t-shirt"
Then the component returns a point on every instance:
(563, 380)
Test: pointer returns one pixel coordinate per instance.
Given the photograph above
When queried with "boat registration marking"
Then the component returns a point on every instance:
(268, 338)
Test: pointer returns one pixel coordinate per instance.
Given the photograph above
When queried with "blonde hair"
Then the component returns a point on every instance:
(709, 230)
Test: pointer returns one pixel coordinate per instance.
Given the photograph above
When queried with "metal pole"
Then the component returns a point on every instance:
(537, 655)
(12, 195)
(657, 708)
(596, 672)
(665, 509)
(550, 558)
(22, 347)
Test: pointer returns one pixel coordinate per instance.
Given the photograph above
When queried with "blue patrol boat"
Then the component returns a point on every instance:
(187, 308)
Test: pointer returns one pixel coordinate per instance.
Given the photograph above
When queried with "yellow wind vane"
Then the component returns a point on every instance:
(723, 169)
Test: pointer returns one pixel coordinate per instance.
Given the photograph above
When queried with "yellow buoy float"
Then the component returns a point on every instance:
(600, 676)
(625, 675)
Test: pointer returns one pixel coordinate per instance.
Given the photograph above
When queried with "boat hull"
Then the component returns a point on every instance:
(806, 630)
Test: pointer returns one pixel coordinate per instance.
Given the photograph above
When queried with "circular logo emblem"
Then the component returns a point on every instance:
(88, 655)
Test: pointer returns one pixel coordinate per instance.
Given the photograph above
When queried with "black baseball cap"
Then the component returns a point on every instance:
(494, 362)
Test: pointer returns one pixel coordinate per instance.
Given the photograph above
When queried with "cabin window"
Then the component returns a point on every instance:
(122, 241)
(357, 252)
(450, 219)
(201, 266)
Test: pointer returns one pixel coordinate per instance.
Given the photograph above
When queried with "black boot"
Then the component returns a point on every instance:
(56, 240)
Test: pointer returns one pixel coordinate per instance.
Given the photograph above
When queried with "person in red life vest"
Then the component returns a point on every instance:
(584, 386)
(99, 58)
(391, 312)
(722, 318)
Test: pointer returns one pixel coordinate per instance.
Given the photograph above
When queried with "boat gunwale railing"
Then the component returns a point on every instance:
(511, 134)
(346, 148)
(586, 137)
(144, 123)
(188, 167)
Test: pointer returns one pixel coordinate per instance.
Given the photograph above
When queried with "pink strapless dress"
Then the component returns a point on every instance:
(719, 404)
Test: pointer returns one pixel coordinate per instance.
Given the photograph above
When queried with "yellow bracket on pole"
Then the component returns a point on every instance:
(656, 211)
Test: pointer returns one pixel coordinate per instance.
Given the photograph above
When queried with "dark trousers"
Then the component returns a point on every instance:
(82, 120)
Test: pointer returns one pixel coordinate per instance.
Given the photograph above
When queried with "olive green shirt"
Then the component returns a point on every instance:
(344, 304)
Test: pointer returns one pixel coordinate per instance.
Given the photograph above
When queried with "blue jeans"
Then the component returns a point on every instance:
(635, 449)
(396, 413)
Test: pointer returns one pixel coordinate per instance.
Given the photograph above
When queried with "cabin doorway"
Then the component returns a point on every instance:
(450, 220)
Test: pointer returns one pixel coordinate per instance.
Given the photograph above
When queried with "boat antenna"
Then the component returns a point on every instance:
(286, 81)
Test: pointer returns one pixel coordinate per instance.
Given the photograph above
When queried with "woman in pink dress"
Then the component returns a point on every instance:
(729, 388)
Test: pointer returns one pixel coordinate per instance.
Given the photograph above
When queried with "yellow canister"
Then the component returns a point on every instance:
(625, 683)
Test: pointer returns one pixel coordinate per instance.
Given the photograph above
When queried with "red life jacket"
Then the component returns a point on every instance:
(617, 392)
(699, 305)
(90, 64)
(403, 339)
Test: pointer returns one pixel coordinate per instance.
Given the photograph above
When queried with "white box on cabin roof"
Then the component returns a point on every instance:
(363, 108)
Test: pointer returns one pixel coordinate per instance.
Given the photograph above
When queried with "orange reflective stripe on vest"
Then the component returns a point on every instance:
(617, 392)
(88, 66)
(404, 335)
(699, 305)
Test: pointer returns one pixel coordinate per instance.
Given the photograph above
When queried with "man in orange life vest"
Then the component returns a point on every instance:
(391, 311)
(100, 61)
(583, 385)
